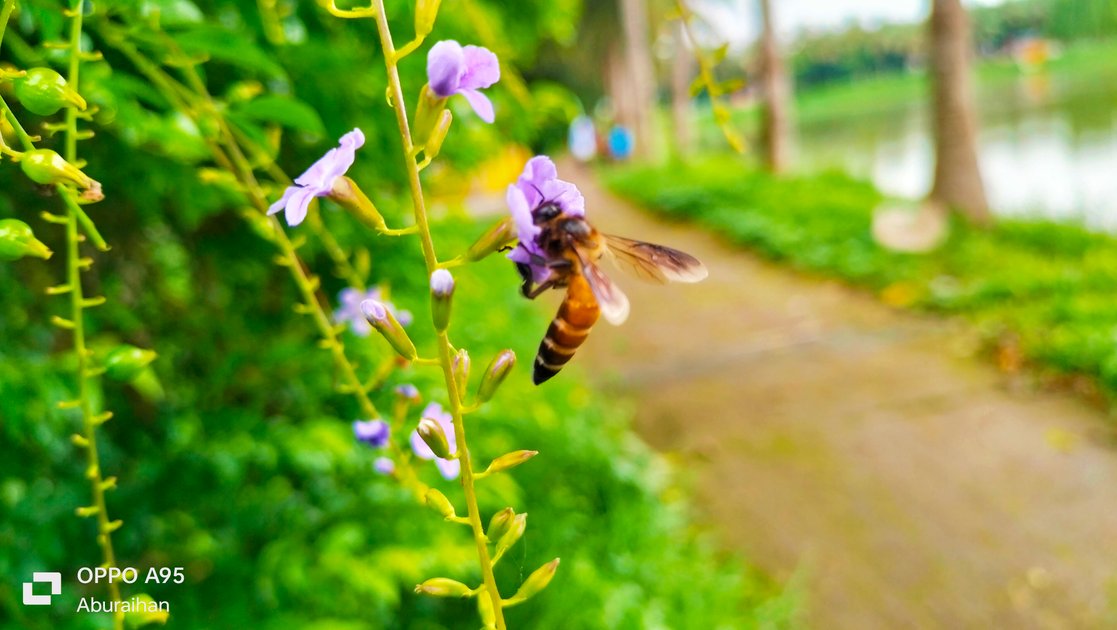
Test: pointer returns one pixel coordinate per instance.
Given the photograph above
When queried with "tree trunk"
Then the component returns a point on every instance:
(957, 174)
(641, 75)
(682, 71)
(776, 113)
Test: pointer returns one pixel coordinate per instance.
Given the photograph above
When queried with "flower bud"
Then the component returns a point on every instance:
(408, 392)
(430, 431)
(43, 91)
(425, 13)
(443, 587)
(499, 236)
(438, 502)
(389, 327)
(44, 166)
(510, 460)
(500, 524)
(495, 374)
(347, 194)
(536, 582)
(427, 115)
(17, 240)
(124, 363)
(438, 135)
(515, 531)
(442, 292)
(459, 367)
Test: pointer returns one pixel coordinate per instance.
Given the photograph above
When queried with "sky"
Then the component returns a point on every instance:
(738, 22)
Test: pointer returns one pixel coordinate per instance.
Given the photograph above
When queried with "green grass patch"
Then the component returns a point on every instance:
(1048, 287)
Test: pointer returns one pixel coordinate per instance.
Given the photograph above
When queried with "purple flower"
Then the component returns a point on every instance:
(452, 69)
(539, 185)
(408, 392)
(349, 310)
(318, 180)
(450, 468)
(375, 433)
(384, 466)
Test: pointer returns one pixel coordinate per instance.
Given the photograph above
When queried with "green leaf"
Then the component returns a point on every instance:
(284, 111)
(229, 47)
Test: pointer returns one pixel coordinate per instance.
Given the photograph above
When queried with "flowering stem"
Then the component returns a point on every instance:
(196, 102)
(445, 353)
(75, 265)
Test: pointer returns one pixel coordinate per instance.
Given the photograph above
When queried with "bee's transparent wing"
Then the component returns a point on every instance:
(610, 299)
(656, 263)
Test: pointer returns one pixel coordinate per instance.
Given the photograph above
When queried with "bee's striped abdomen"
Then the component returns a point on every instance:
(571, 326)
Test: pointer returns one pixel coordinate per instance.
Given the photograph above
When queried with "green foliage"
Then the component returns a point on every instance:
(234, 452)
(1044, 287)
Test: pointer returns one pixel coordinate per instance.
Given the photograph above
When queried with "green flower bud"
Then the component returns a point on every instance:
(431, 432)
(515, 531)
(385, 323)
(17, 241)
(44, 92)
(347, 194)
(510, 460)
(499, 236)
(425, 13)
(442, 293)
(44, 166)
(438, 502)
(124, 363)
(438, 135)
(495, 374)
(427, 115)
(443, 587)
(536, 582)
(459, 367)
(500, 523)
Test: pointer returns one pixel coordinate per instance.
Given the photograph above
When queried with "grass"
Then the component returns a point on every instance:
(1039, 292)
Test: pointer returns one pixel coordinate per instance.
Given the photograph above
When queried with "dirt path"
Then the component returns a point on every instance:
(862, 448)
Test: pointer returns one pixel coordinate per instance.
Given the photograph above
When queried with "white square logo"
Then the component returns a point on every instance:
(29, 596)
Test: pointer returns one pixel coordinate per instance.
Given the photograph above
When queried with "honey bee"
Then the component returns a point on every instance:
(572, 248)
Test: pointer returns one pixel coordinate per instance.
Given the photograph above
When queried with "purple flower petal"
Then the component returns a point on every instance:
(384, 466)
(480, 104)
(450, 468)
(482, 69)
(445, 67)
(375, 433)
(297, 205)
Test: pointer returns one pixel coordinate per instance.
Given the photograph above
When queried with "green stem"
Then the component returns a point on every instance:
(90, 420)
(445, 353)
(24, 138)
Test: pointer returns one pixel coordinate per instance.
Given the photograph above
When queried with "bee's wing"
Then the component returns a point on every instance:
(656, 263)
(610, 299)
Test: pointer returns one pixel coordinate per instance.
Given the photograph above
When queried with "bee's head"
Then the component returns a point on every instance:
(545, 212)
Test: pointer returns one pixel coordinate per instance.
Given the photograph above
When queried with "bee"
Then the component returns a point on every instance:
(572, 248)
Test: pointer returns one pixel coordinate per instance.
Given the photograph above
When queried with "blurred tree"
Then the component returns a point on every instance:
(632, 80)
(776, 129)
(682, 72)
(957, 183)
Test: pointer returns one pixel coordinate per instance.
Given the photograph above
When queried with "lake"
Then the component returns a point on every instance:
(1047, 143)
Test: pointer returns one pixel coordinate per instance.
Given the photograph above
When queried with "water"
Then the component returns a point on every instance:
(1047, 147)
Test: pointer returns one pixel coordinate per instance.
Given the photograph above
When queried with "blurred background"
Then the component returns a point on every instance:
(890, 405)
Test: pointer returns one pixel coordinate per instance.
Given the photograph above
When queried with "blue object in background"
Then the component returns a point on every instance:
(620, 142)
